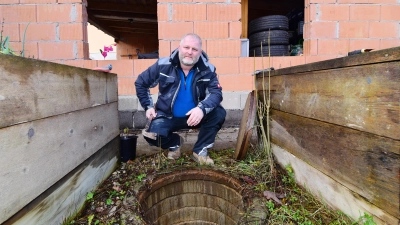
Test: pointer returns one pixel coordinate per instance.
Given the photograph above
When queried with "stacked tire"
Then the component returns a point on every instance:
(268, 35)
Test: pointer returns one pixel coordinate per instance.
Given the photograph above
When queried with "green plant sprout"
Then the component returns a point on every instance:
(90, 218)
(89, 196)
(125, 132)
(140, 177)
(365, 219)
(5, 47)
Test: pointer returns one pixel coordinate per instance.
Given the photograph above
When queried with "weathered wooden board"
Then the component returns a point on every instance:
(244, 17)
(385, 55)
(246, 126)
(330, 191)
(365, 163)
(365, 98)
(36, 154)
(32, 89)
(69, 193)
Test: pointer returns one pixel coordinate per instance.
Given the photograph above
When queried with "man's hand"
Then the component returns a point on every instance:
(196, 114)
(151, 113)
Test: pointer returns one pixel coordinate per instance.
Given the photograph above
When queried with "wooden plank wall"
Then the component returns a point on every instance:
(52, 118)
(341, 117)
(69, 193)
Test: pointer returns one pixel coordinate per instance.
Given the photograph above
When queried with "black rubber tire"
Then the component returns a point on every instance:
(276, 50)
(265, 23)
(277, 37)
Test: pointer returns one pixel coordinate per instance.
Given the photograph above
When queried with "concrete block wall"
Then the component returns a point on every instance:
(57, 28)
(335, 27)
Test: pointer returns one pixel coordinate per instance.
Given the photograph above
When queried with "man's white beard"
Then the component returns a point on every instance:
(189, 62)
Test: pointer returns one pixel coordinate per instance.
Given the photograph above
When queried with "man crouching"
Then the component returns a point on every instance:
(189, 97)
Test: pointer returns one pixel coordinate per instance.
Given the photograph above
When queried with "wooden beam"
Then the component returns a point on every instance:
(69, 193)
(384, 55)
(37, 148)
(330, 191)
(129, 8)
(122, 15)
(336, 150)
(134, 27)
(365, 98)
(245, 18)
(38, 89)
(129, 25)
(137, 31)
(121, 18)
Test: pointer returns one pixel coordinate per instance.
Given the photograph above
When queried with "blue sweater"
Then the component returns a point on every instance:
(184, 100)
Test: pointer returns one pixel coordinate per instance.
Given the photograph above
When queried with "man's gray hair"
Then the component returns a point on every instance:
(193, 36)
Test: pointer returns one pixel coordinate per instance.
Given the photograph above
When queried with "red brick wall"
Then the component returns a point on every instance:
(335, 27)
(235, 73)
(129, 44)
(217, 22)
(56, 30)
(332, 28)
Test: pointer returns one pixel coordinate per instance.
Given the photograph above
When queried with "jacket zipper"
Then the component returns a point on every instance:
(184, 77)
(194, 81)
(176, 92)
(193, 92)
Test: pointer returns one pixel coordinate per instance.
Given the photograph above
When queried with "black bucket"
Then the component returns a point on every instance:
(128, 147)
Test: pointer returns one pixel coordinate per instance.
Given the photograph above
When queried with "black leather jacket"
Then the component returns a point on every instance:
(206, 90)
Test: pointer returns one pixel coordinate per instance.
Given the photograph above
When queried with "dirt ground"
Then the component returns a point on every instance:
(271, 197)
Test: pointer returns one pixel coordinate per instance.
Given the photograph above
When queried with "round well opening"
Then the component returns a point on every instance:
(193, 197)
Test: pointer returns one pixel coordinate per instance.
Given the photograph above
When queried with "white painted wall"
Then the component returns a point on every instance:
(97, 40)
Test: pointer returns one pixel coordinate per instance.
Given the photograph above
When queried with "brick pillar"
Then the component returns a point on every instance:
(215, 21)
(335, 27)
(56, 31)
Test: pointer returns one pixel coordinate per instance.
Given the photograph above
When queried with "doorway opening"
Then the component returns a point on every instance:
(132, 24)
(268, 17)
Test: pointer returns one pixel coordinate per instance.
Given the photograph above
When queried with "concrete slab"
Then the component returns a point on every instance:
(128, 103)
(234, 100)
(125, 119)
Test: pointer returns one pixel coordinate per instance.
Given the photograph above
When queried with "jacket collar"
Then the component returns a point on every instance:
(202, 64)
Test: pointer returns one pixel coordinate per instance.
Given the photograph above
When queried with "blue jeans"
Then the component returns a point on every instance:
(209, 127)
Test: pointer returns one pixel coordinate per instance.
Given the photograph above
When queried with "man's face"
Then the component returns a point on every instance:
(189, 51)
